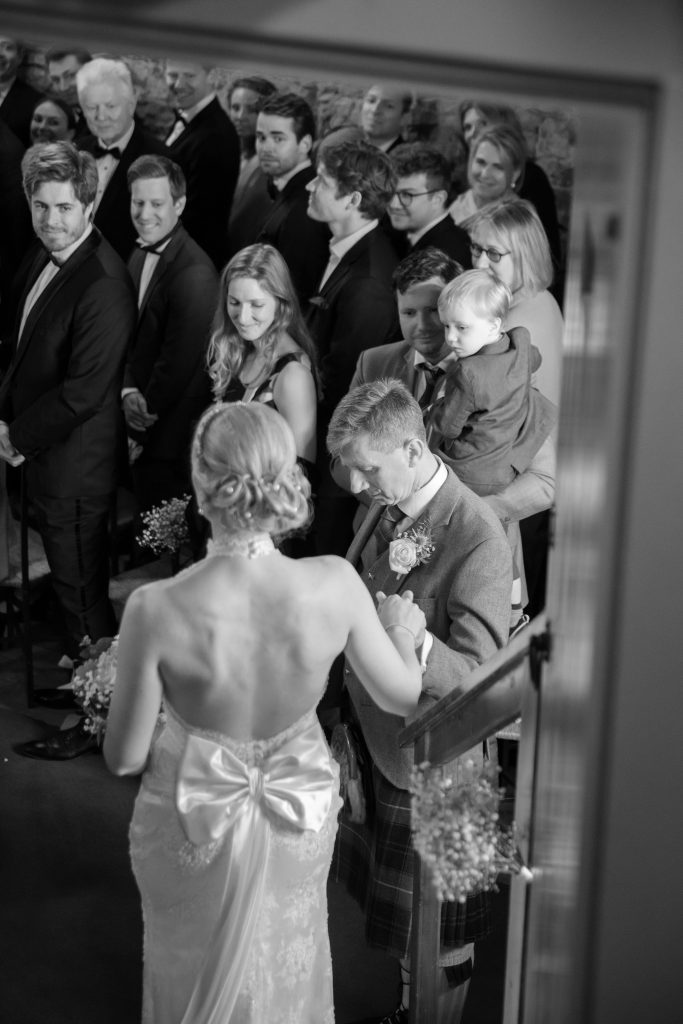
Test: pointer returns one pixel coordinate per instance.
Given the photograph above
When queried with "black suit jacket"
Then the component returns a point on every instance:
(167, 359)
(112, 216)
(449, 238)
(17, 107)
(61, 394)
(355, 310)
(16, 234)
(208, 150)
(302, 242)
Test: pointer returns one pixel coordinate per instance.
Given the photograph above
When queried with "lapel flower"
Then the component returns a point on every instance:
(414, 547)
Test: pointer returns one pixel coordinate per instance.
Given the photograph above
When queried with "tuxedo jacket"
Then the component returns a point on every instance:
(302, 242)
(463, 589)
(251, 205)
(167, 359)
(17, 108)
(208, 150)
(61, 394)
(112, 216)
(449, 238)
(355, 310)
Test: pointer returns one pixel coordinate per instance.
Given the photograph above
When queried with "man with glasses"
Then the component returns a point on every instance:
(419, 207)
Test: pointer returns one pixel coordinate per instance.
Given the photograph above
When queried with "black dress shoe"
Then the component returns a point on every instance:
(62, 746)
(53, 697)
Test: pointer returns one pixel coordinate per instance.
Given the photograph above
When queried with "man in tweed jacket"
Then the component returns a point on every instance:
(463, 587)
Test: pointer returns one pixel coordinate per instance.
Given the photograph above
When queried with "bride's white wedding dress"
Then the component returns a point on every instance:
(231, 844)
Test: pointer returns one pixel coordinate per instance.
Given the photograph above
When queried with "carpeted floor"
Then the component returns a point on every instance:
(70, 927)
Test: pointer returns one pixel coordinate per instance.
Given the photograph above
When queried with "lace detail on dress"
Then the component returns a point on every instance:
(286, 977)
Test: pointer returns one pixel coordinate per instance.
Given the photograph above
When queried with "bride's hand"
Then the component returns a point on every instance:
(401, 610)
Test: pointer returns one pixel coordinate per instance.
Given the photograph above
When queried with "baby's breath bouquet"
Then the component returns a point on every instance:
(93, 682)
(164, 528)
(456, 828)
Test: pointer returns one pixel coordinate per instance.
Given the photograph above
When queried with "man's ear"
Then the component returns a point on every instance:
(415, 449)
(179, 204)
(306, 143)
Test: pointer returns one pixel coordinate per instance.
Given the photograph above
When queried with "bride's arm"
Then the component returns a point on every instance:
(136, 698)
(384, 661)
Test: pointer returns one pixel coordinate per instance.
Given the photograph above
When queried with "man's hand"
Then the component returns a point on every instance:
(136, 413)
(8, 453)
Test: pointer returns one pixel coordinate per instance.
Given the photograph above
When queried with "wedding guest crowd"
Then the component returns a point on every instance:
(244, 260)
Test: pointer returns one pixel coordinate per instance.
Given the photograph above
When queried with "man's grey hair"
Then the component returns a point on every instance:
(105, 69)
(384, 410)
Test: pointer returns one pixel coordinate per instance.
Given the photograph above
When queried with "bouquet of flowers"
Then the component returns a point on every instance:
(93, 682)
(165, 526)
(456, 828)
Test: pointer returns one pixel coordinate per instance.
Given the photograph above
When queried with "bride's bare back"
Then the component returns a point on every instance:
(245, 645)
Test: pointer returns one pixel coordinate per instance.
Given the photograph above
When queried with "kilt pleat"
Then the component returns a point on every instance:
(375, 863)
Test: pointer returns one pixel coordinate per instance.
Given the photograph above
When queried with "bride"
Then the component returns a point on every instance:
(234, 824)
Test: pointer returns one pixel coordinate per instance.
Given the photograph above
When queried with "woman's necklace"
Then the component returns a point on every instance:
(251, 545)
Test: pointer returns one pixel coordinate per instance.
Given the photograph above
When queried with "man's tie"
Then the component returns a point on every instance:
(386, 527)
(432, 376)
(157, 247)
(100, 151)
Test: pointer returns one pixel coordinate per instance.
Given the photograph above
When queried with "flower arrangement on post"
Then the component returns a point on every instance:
(93, 682)
(165, 529)
(456, 828)
(414, 547)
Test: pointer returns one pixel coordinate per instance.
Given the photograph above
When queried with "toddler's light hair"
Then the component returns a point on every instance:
(485, 294)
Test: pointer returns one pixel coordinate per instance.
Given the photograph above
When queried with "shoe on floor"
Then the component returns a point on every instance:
(61, 746)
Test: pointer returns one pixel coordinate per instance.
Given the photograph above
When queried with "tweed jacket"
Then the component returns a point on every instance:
(464, 590)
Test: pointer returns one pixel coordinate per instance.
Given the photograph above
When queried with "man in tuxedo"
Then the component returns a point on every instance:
(463, 586)
(419, 207)
(205, 144)
(59, 401)
(383, 114)
(17, 98)
(107, 98)
(355, 307)
(166, 386)
(285, 131)
(63, 64)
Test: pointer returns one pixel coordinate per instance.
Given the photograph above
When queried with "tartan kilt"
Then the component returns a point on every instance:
(375, 863)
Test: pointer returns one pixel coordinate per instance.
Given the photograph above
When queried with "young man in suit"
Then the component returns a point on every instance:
(355, 307)
(205, 144)
(59, 401)
(419, 207)
(165, 386)
(463, 586)
(17, 98)
(285, 131)
(107, 98)
(63, 64)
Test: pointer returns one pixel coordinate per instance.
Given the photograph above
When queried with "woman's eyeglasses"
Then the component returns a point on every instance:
(491, 254)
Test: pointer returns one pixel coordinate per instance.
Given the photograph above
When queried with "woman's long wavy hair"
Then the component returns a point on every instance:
(227, 351)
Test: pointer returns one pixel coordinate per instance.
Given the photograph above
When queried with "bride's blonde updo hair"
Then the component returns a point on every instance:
(245, 472)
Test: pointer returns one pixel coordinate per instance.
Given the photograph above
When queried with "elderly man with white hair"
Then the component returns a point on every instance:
(107, 98)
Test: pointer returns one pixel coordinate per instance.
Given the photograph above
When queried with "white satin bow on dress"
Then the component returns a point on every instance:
(220, 797)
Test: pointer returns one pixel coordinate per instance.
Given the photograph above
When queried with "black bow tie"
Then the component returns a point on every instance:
(180, 115)
(115, 151)
(157, 247)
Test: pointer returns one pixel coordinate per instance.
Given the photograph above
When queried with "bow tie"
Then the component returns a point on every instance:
(157, 247)
(180, 115)
(100, 151)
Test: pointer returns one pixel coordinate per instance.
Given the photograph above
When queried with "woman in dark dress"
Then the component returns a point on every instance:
(260, 348)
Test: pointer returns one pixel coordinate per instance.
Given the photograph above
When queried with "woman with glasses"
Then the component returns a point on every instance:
(508, 240)
(495, 170)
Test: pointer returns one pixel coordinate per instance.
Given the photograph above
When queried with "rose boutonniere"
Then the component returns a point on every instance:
(414, 547)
